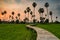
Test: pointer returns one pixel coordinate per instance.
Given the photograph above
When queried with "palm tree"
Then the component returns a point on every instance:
(47, 5)
(34, 5)
(41, 10)
(28, 10)
(31, 14)
(51, 16)
(45, 16)
(13, 15)
(9, 17)
(25, 13)
(5, 13)
(56, 18)
(16, 18)
(2, 15)
(19, 15)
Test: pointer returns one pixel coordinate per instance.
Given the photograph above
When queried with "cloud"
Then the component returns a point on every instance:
(18, 1)
(5, 0)
(58, 9)
(8, 1)
(55, 1)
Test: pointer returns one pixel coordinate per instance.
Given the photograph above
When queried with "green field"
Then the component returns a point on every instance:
(53, 28)
(16, 32)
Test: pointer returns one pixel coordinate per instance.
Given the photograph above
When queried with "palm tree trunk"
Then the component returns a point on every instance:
(19, 18)
(28, 16)
(5, 17)
(31, 18)
(45, 17)
(47, 14)
(51, 18)
(25, 15)
(42, 15)
(34, 13)
(56, 19)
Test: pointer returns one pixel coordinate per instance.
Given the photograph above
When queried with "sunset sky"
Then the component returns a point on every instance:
(18, 6)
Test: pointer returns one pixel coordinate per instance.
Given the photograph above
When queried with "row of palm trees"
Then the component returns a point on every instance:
(41, 11)
(28, 10)
(11, 17)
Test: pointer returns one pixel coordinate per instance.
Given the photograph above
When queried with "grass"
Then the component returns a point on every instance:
(53, 28)
(16, 32)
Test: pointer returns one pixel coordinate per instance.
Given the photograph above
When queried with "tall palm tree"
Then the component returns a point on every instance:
(9, 17)
(16, 17)
(34, 5)
(2, 15)
(47, 5)
(51, 16)
(13, 15)
(31, 14)
(5, 12)
(56, 18)
(45, 16)
(41, 10)
(28, 10)
(25, 13)
(19, 15)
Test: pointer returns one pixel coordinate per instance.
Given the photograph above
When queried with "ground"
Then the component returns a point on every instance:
(20, 32)
(15, 32)
(53, 28)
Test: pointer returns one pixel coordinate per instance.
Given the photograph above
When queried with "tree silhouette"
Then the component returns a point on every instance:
(17, 21)
(31, 14)
(26, 20)
(45, 16)
(9, 17)
(56, 18)
(2, 15)
(47, 5)
(13, 16)
(28, 10)
(5, 14)
(41, 10)
(34, 5)
(25, 13)
(51, 16)
(19, 15)
(0, 21)
(13, 13)
(16, 17)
